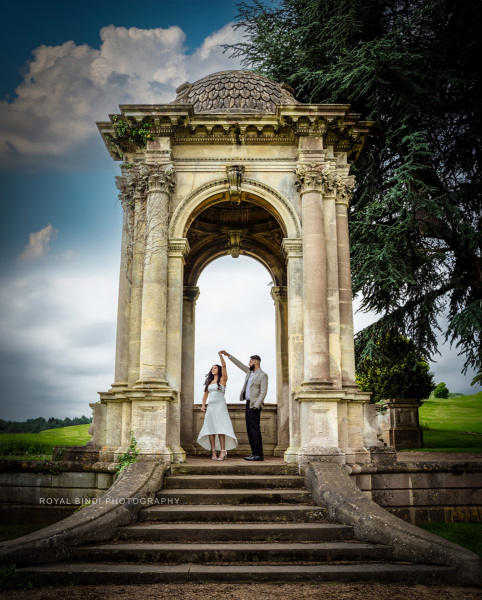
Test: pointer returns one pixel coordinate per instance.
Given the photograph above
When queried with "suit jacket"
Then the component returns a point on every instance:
(259, 385)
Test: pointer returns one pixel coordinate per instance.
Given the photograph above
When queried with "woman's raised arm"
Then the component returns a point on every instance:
(224, 378)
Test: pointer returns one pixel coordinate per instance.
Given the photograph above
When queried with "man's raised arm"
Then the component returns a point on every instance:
(237, 362)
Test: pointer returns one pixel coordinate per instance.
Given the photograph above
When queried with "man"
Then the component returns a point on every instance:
(254, 392)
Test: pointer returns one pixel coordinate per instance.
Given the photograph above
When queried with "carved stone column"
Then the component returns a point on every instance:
(310, 180)
(125, 283)
(333, 295)
(190, 296)
(175, 274)
(344, 188)
(293, 249)
(280, 297)
(137, 181)
(152, 368)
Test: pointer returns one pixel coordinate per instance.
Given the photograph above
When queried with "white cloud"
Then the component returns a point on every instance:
(38, 246)
(67, 88)
(58, 341)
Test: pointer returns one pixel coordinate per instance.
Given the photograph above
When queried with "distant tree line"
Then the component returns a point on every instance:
(40, 424)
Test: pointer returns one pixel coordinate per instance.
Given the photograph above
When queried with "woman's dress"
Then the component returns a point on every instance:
(217, 420)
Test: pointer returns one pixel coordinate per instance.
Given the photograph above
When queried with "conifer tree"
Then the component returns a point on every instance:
(412, 67)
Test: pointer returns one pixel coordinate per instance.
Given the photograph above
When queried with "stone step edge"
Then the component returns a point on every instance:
(267, 546)
(234, 526)
(110, 573)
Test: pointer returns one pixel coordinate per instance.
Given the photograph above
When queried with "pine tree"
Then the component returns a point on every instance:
(413, 67)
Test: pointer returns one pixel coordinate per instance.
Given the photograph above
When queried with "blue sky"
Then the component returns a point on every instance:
(65, 65)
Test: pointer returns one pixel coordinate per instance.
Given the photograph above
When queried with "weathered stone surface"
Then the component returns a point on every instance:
(333, 489)
(235, 92)
(95, 523)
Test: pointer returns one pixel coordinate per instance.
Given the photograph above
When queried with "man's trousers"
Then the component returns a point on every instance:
(253, 417)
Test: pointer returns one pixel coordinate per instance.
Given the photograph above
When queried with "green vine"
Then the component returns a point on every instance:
(129, 456)
(127, 135)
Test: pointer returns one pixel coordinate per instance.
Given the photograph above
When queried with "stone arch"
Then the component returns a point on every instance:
(210, 193)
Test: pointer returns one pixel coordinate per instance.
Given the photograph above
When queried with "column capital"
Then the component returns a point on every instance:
(279, 293)
(159, 177)
(293, 247)
(311, 177)
(178, 247)
(344, 188)
(190, 293)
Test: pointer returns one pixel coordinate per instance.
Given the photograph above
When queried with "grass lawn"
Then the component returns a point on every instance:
(468, 535)
(452, 425)
(76, 435)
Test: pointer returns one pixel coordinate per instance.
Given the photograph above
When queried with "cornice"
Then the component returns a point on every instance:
(333, 122)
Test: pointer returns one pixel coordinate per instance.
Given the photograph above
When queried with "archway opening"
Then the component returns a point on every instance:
(234, 312)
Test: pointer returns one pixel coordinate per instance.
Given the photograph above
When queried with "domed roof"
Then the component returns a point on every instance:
(235, 92)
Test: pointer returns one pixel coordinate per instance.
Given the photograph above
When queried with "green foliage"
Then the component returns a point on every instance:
(128, 136)
(399, 371)
(460, 414)
(40, 424)
(468, 535)
(43, 442)
(11, 579)
(129, 456)
(441, 391)
(411, 66)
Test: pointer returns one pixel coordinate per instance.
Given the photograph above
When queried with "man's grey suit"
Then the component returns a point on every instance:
(257, 392)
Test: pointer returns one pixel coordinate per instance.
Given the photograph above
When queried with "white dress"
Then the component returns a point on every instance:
(217, 420)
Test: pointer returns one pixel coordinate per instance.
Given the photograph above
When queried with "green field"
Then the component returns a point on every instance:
(452, 425)
(42, 443)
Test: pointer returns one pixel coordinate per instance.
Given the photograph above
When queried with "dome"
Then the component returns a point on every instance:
(235, 92)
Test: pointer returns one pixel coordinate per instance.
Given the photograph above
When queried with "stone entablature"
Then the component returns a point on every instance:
(214, 180)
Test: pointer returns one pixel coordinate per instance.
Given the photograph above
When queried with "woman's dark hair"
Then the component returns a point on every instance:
(210, 377)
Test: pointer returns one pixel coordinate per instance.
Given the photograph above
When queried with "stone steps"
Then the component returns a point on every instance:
(251, 522)
(124, 574)
(234, 513)
(236, 496)
(233, 552)
(235, 532)
(231, 482)
(236, 467)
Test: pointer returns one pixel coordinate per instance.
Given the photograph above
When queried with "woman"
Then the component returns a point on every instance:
(217, 421)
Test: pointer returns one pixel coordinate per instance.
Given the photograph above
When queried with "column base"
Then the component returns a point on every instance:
(178, 454)
(291, 454)
(150, 383)
(356, 455)
(118, 385)
(279, 451)
(320, 454)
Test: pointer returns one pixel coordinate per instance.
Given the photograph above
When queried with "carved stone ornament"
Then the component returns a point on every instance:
(234, 243)
(345, 189)
(125, 192)
(311, 177)
(235, 177)
(160, 177)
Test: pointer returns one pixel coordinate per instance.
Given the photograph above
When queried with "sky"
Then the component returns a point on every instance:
(64, 66)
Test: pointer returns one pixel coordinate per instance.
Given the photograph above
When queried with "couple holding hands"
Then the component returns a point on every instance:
(217, 422)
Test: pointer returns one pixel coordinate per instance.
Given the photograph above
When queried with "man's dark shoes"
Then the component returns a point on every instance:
(254, 457)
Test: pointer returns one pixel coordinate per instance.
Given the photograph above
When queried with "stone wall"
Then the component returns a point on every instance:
(425, 492)
(236, 412)
(37, 492)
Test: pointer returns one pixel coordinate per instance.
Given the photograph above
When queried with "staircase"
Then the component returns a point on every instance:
(234, 522)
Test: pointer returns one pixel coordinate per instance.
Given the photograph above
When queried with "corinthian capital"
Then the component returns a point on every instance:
(311, 177)
(344, 189)
(135, 180)
(160, 177)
